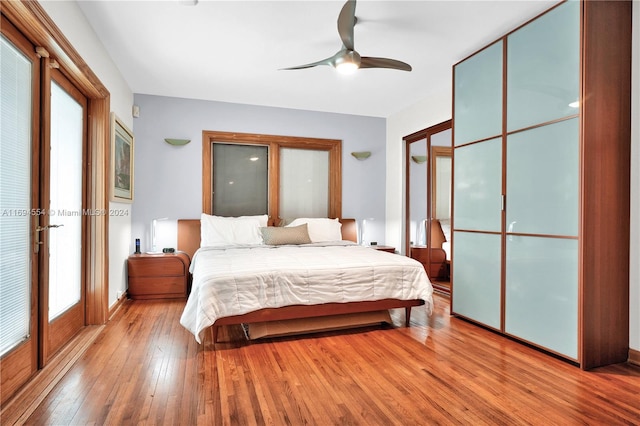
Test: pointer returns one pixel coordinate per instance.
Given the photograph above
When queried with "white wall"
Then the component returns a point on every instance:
(433, 110)
(438, 108)
(71, 21)
(168, 179)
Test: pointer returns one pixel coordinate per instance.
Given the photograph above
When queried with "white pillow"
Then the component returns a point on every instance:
(262, 218)
(321, 229)
(222, 231)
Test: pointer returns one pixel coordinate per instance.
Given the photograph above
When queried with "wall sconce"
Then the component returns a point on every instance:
(419, 159)
(177, 142)
(362, 155)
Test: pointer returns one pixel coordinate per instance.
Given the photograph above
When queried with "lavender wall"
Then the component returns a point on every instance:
(168, 179)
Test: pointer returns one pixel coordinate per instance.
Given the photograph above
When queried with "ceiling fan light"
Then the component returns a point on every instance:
(348, 62)
(346, 67)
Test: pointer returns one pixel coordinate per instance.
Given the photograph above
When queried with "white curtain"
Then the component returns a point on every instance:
(304, 183)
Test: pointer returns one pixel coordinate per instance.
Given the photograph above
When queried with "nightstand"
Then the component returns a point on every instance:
(384, 248)
(158, 276)
(438, 268)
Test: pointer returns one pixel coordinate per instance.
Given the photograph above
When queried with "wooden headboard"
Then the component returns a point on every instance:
(189, 234)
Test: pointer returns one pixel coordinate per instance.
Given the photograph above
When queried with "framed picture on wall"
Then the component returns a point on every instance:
(122, 150)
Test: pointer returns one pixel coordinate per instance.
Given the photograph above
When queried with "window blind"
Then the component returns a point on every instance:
(240, 180)
(15, 196)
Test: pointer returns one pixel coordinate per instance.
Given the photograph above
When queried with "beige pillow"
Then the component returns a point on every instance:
(275, 235)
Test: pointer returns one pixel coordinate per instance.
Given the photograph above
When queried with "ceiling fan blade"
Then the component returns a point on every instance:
(369, 62)
(346, 22)
(328, 61)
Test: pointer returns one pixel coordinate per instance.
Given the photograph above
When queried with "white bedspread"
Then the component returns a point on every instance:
(237, 280)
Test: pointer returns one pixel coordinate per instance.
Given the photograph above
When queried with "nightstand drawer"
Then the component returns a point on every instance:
(156, 266)
(420, 254)
(157, 287)
(158, 276)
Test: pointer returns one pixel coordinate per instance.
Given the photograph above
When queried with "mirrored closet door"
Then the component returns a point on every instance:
(428, 201)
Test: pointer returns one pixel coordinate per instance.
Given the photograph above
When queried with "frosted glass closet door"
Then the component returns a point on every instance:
(543, 68)
(542, 180)
(542, 292)
(478, 96)
(477, 180)
(477, 254)
(476, 277)
(541, 297)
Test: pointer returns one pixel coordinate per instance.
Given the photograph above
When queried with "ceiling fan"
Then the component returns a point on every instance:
(347, 60)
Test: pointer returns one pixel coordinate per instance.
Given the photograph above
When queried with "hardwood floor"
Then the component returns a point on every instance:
(144, 368)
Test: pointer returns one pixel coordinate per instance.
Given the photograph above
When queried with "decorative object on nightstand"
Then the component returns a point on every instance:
(364, 234)
(158, 276)
(154, 234)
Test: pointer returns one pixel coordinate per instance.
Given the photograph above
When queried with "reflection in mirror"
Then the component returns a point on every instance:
(428, 196)
(441, 193)
(418, 188)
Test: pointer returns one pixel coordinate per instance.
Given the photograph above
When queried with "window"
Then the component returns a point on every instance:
(282, 176)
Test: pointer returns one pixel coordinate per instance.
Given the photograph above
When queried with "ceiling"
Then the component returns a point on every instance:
(232, 51)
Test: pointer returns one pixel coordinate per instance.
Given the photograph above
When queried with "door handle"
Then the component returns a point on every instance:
(38, 243)
(42, 228)
(510, 230)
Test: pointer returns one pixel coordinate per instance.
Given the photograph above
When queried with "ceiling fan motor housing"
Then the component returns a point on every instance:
(347, 57)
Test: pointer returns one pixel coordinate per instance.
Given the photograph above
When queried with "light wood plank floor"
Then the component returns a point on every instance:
(144, 368)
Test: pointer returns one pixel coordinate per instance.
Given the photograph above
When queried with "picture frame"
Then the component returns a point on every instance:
(122, 155)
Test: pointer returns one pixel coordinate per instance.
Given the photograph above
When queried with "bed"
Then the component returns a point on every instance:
(277, 280)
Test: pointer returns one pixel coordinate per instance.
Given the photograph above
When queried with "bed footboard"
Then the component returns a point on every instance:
(310, 311)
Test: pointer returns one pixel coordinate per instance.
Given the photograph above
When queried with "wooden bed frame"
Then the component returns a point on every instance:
(189, 242)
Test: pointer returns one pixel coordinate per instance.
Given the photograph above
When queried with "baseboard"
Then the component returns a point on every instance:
(113, 309)
(634, 357)
(18, 409)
